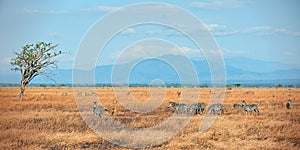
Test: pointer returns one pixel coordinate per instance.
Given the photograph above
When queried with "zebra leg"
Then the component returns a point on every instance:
(185, 110)
(257, 111)
(180, 111)
(214, 112)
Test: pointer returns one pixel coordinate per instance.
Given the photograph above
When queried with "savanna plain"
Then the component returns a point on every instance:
(48, 118)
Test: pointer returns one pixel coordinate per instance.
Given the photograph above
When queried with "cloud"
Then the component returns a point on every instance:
(219, 4)
(221, 30)
(268, 30)
(37, 11)
(29, 11)
(147, 49)
(128, 31)
(291, 53)
(288, 53)
(100, 8)
(233, 53)
(164, 9)
(196, 53)
(156, 48)
(215, 29)
(5, 60)
(54, 35)
(164, 31)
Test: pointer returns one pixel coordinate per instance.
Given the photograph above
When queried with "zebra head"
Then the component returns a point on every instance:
(94, 104)
(289, 104)
(171, 104)
(244, 103)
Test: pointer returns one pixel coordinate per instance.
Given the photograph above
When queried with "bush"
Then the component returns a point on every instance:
(43, 85)
(237, 85)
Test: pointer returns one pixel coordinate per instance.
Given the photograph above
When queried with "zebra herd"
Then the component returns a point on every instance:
(198, 108)
(247, 108)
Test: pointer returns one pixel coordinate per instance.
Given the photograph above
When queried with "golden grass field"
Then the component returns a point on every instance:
(47, 119)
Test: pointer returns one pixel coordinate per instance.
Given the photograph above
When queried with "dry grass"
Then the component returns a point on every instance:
(47, 119)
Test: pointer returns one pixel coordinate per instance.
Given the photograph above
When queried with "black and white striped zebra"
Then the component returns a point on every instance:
(197, 108)
(179, 107)
(98, 110)
(289, 104)
(250, 108)
(215, 109)
(237, 105)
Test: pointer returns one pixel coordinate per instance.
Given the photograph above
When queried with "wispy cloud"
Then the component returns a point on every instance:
(224, 30)
(54, 34)
(164, 31)
(100, 8)
(221, 30)
(215, 29)
(268, 30)
(147, 49)
(5, 60)
(128, 31)
(288, 53)
(198, 54)
(37, 11)
(156, 49)
(233, 53)
(219, 4)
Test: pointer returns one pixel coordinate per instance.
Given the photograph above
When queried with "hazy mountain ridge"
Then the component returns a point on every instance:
(159, 68)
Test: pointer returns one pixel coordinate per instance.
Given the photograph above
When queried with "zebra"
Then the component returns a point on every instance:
(289, 104)
(250, 108)
(197, 108)
(98, 110)
(202, 107)
(215, 109)
(94, 94)
(179, 108)
(237, 105)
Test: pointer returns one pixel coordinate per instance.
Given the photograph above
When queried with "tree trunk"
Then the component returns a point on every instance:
(22, 86)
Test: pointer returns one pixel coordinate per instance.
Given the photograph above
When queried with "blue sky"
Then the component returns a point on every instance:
(265, 30)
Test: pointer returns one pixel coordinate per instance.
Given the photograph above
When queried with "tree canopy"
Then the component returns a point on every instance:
(34, 60)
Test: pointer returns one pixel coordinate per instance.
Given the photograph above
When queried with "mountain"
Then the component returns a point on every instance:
(177, 69)
(260, 66)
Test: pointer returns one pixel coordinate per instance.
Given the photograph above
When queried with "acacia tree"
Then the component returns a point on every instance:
(237, 85)
(34, 60)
